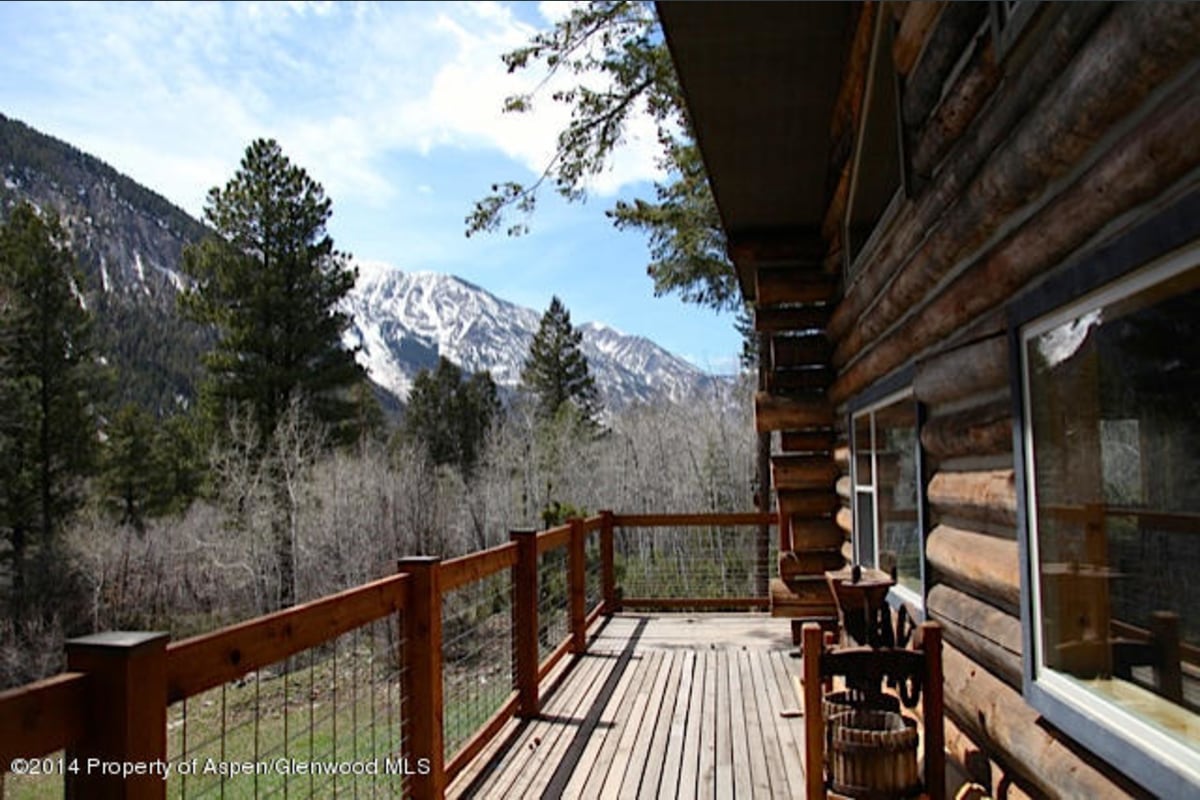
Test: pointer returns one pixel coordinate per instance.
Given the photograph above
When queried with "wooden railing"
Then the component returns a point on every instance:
(108, 713)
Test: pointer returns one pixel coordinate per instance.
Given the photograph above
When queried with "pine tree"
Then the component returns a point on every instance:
(48, 385)
(556, 370)
(450, 416)
(271, 282)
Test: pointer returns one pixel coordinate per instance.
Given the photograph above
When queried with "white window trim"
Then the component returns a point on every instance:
(1111, 716)
(897, 592)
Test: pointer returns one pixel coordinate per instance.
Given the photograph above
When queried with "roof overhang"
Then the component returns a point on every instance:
(760, 80)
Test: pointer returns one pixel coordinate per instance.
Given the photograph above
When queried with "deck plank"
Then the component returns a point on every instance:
(683, 706)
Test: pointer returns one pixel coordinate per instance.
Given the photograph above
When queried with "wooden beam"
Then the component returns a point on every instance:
(985, 566)
(525, 623)
(791, 318)
(1097, 97)
(777, 413)
(789, 352)
(819, 503)
(800, 381)
(918, 20)
(782, 285)
(126, 711)
(983, 430)
(42, 717)
(957, 110)
(978, 766)
(475, 567)
(996, 715)
(954, 28)
(982, 632)
(421, 651)
(803, 472)
(810, 441)
(951, 375)
(814, 725)
(989, 496)
(803, 563)
(816, 534)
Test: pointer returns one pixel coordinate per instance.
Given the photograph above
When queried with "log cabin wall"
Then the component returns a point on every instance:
(1020, 151)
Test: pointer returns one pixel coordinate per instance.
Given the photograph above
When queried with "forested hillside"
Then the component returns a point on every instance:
(128, 242)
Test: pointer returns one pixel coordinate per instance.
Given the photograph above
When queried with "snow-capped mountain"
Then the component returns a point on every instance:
(404, 321)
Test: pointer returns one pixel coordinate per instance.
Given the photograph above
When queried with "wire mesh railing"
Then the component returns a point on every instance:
(477, 656)
(388, 689)
(725, 564)
(319, 723)
(554, 621)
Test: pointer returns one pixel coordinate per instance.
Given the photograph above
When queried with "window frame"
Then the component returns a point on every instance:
(1143, 256)
(886, 392)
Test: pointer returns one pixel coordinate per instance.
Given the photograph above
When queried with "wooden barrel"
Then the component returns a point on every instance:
(873, 754)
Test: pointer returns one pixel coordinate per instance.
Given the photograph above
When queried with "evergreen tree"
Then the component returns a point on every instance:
(556, 370)
(450, 416)
(271, 282)
(621, 64)
(48, 382)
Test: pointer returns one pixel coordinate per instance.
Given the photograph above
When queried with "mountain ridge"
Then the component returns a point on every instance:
(129, 241)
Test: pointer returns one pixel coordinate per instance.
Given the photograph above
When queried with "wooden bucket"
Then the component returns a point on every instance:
(873, 754)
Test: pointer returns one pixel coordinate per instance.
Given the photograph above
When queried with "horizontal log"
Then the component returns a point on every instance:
(1126, 28)
(848, 551)
(989, 496)
(805, 563)
(844, 488)
(943, 47)
(954, 374)
(847, 107)
(841, 457)
(918, 20)
(957, 109)
(475, 567)
(783, 319)
(807, 595)
(811, 441)
(985, 566)
(42, 717)
(791, 381)
(807, 504)
(780, 286)
(788, 352)
(803, 472)
(777, 413)
(816, 534)
(973, 762)
(845, 521)
(995, 715)
(211, 659)
(1018, 176)
(983, 632)
(985, 430)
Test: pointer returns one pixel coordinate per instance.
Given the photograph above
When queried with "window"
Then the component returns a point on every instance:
(1111, 427)
(889, 531)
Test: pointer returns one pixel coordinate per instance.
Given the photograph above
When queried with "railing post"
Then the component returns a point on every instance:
(608, 573)
(933, 712)
(127, 716)
(814, 722)
(577, 581)
(423, 719)
(525, 622)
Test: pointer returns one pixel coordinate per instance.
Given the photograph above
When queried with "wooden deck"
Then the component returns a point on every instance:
(672, 705)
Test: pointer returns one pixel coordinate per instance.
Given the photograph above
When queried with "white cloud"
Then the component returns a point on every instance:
(172, 93)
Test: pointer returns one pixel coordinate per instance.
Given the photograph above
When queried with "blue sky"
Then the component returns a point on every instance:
(394, 107)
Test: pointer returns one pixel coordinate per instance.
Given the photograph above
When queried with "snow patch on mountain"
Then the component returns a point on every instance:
(403, 321)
